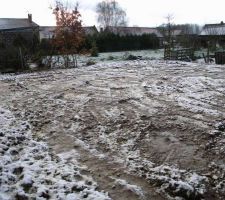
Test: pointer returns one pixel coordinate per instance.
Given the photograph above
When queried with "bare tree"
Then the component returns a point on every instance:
(169, 30)
(188, 37)
(110, 14)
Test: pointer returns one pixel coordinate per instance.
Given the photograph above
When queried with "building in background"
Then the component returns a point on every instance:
(47, 32)
(12, 28)
(214, 33)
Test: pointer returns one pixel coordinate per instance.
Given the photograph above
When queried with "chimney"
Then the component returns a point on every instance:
(30, 18)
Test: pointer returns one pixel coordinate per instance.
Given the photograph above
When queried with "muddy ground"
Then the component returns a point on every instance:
(141, 129)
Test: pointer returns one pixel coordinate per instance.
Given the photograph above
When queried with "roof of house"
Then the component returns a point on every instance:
(177, 32)
(133, 30)
(47, 32)
(213, 29)
(90, 30)
(11, 23)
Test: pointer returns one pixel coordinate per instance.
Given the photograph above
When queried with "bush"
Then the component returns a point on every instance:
(94, 50)
(110, 58)
(132, 57)
(90, 62)
(15, 56)
(109, 42)
(46, 47)
(10, 60)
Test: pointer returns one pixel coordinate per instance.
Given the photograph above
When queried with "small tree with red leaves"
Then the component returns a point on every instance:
(69, 35)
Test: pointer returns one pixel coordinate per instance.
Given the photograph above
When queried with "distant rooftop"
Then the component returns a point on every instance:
(213, 29)
(47, 32)
(177, 32)
(15, 23)
(90, 30)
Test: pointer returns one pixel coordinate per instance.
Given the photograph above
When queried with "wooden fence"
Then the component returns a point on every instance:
(186, 54)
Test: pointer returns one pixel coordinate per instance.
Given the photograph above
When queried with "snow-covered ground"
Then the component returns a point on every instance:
(119, 56)
(130, 128)
(30, 171)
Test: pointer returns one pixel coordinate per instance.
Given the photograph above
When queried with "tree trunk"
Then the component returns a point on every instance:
(66, 60)
(75, 60)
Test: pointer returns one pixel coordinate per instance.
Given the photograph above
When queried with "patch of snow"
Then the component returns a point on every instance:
(148, 85)
(134, 188)
(30, 170)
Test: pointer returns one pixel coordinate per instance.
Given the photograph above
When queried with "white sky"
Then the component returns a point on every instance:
(139, 12)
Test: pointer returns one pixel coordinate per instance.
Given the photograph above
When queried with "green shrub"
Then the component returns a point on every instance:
(109, 42)
(94, 50)
(10, 60)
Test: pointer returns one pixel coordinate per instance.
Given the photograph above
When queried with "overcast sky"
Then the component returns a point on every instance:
(139, 12)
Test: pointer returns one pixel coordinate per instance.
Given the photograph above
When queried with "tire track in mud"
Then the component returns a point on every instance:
(105, 171)
(92, 161)
(91, 111)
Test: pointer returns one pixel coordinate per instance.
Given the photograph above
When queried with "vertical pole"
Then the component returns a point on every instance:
(21, 57)
(208, 52)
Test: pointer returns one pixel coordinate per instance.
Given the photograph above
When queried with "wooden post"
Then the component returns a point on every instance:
(208, 51)
(21, 58)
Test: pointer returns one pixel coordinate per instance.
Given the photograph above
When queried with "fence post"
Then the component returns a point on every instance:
(21, 58)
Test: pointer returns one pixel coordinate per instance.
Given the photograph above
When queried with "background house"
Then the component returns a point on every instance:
(90, 30)
(47, 32)
(12, 28)
(214, 33)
